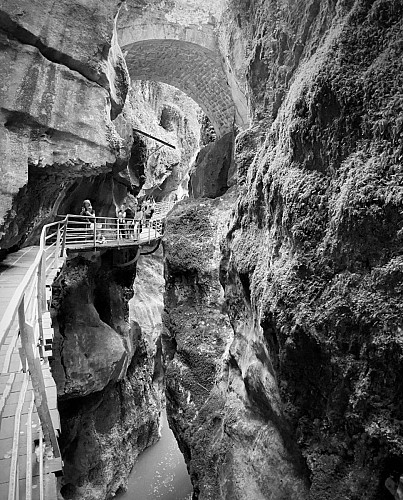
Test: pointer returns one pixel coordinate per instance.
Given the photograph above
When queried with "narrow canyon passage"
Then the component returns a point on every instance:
(160, 472)
(201, 223)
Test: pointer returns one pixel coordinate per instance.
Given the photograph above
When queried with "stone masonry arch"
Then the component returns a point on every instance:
(176, 43)
(191, 68)
(158, 28)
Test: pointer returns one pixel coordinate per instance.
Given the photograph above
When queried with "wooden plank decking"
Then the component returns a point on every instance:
(20, 427)
(29, 419)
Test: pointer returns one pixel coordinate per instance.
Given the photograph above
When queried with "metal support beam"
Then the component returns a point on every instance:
(155, 138)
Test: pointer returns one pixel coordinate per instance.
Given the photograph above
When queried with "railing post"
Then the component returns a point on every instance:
(15, 484)
(38, 383)
(41, 481)
(42, 284)
(57, 251)
(41, 296)
(118, 230)
(17, 481)
(65, 224)
(28, 478)
(95, 232)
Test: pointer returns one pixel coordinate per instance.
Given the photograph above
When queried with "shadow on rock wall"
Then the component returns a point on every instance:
(108, 404)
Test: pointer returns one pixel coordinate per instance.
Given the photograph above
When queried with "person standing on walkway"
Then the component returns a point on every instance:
(138, 221)
(89, 213)
(121, 215)
(148, 212)
(129, 222)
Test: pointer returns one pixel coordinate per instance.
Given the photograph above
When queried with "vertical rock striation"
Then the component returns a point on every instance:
(105, 370)
(311, 266)
(64, 79)
(222, 401)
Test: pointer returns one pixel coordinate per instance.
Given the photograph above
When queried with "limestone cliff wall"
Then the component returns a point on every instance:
(108, 375)
(222, 401)
(311, 265)
(63, 80)
(170, 115)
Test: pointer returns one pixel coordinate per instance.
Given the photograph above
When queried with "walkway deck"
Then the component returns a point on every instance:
(143, 238)
(21, 438)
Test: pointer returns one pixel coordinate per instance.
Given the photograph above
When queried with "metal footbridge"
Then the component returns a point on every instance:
(30, 459)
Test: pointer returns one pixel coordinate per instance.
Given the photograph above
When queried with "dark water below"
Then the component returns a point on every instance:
(160, 473)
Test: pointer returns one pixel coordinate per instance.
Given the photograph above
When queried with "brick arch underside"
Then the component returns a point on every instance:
(192, 69)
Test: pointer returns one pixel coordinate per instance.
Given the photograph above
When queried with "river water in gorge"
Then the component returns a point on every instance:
(160, 472)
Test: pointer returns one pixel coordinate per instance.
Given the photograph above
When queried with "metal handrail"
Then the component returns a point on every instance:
(60, 245)
(28, 303)
(10, 313)
(86, 231)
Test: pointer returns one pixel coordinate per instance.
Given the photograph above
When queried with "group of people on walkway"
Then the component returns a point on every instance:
(132, 222)
(129, 222)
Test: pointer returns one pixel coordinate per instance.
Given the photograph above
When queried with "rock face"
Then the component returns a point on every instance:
(222, 399)
(209, 177)
(64, 78)
(167, 114)
(316, 243)
(108, 378)
(146, 308)
(311, 266)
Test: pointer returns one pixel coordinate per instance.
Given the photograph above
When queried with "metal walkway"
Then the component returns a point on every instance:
(78, 232)
(29, 419)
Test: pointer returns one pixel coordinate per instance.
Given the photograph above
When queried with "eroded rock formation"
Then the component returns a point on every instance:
(64, 78)
(232, 433)
(311, 265)
(282, 328)
(108, 377)
(211, 174)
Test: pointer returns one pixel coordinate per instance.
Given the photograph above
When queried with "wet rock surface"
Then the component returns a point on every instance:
(219, 392)
(315, 245)
(104, 368)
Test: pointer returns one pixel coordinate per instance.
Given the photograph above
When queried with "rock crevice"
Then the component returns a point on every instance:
(106, 372)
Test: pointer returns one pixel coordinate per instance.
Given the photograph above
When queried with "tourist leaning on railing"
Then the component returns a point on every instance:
(89, 212)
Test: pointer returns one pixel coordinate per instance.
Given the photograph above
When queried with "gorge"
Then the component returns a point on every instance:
(268, 322)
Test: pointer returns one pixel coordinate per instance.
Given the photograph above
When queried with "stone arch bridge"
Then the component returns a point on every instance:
(179, 48)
